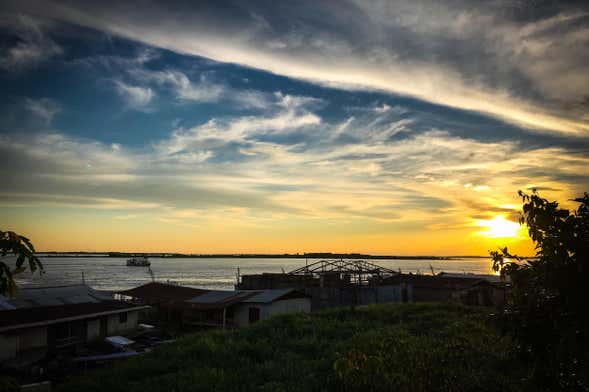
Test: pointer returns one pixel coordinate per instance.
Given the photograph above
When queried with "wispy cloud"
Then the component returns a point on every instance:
(183, 87)
(494, 59)
(44, 108)
(32, 44)
(248, 163)
(229, 152)
(201, 90)
(136, 97)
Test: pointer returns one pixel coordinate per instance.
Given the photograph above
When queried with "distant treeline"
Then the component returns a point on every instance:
(245, 256)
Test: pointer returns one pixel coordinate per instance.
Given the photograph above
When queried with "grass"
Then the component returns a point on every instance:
(401, 347)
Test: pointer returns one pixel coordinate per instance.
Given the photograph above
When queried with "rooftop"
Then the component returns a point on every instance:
(437, 281)
(154, 292)
(267, 296)
(46, 315)
(53, 296)
(216, 299)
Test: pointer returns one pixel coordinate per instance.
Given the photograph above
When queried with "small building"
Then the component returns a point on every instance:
(162, 298)
(242, 308)
(29, 334)
(268, 303)
(215, 308)
(156, 293)
(468, 289)
(41, 321)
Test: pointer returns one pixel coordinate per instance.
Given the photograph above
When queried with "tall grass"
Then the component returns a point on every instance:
(411, 347)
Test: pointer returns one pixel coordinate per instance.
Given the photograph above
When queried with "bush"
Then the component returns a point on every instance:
(381, 347)
(548, 312)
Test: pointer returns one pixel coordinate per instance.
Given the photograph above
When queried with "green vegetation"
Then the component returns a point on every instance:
(402, 347)
(23, 249)
(8, 384)
(547, 312)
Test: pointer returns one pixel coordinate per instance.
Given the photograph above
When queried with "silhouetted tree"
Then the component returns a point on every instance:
(548, 308)
(23, 249)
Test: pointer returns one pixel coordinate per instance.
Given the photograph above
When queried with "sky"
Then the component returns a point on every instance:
(382, 127)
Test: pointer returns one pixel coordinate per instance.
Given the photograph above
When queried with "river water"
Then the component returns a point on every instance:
(109, 273)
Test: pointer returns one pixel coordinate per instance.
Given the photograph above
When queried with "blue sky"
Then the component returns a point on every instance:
(323, 127)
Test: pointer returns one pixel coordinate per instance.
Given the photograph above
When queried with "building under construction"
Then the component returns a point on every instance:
(358, 282)
(332, 283)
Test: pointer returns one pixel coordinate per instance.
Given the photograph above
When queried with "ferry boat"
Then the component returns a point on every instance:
(139, 261)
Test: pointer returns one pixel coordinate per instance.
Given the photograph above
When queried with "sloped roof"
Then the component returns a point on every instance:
(487, 277)
(45, 315)
(155, 292)
(57, 295)
(5, 304)
(267, 296)
(216, 299)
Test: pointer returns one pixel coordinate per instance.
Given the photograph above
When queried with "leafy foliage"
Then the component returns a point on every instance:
(9, 384)
(23, 249)
(548, 311)
(403, 347)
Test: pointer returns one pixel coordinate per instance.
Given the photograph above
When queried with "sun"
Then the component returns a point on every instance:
(499, 227)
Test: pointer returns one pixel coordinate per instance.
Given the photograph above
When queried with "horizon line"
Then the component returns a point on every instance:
(263, 255)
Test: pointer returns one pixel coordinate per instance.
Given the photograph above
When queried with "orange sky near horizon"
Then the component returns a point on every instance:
(84, 232)
(384, 128)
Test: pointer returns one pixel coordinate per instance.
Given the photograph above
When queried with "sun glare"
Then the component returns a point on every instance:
(499, 227)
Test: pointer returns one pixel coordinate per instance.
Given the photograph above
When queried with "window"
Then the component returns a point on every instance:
(254, 315)
(63, 331)
(122, 318)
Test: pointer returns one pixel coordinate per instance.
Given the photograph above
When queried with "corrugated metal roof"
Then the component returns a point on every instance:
(26, 317)
(55, 296)
(219, 296)
(4, 304)
(267, 296)
(155, 292)
(223, 298)
(487, 277)
(119, 341)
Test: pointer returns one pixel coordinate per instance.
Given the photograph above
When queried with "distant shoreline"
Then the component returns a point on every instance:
(254, 256)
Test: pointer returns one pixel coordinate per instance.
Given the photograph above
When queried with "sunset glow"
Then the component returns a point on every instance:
(392, 129)
(499, 227)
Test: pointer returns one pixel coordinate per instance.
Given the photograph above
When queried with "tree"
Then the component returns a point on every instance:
(548, 310)
(23, 249)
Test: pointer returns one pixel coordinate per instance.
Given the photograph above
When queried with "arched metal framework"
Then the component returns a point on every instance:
(358, 272)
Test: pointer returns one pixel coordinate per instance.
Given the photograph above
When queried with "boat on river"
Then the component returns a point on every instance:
(139, 261)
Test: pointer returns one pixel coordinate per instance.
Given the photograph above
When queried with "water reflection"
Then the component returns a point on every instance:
(109, 273)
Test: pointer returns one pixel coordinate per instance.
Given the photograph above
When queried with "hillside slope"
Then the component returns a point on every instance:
(411, 347)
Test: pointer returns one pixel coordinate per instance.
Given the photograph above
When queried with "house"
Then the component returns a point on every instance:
(156, 293)
(45, 321)
(215, 308)
(162, 299)
(242, 308)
